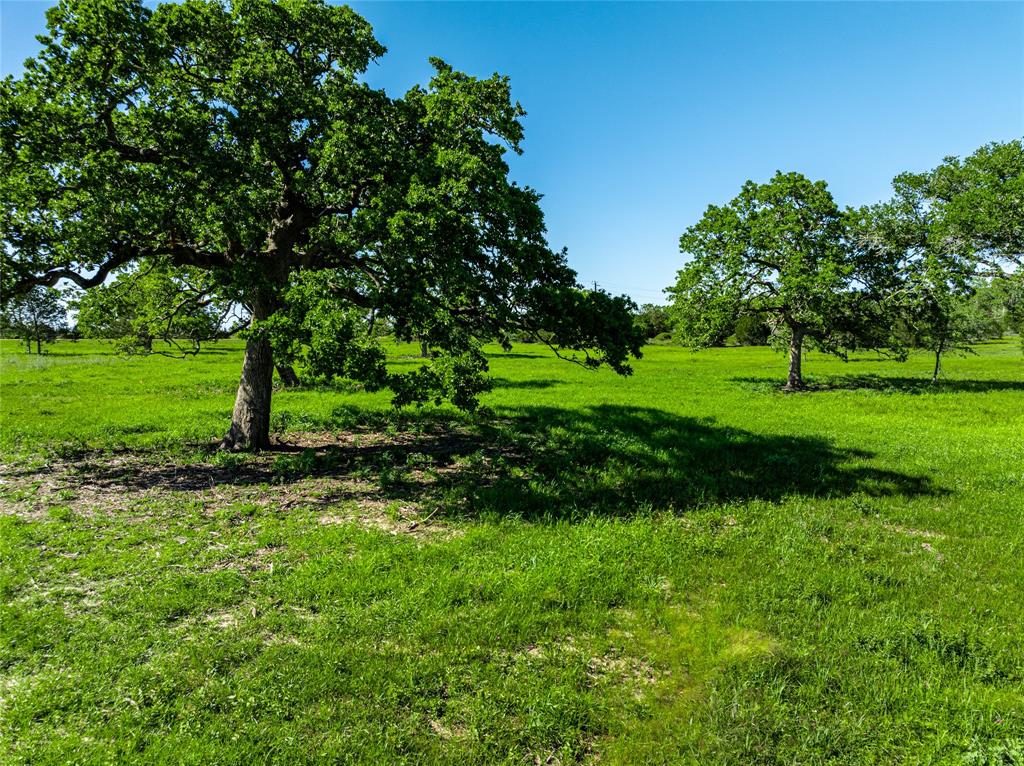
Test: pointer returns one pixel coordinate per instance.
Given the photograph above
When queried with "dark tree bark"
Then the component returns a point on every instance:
(250, 421)
(287, 375)
(796, 347)
(938, 362)
(39, 345)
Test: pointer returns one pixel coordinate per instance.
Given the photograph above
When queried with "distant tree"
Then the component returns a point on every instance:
(776, 251)
(37, 315)
(948, 251)
(652, 320)
(240, 138)
(752, 330)
(945, 322)
(155, 302)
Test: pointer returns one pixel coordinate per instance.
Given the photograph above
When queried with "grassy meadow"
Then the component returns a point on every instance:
(683, 567)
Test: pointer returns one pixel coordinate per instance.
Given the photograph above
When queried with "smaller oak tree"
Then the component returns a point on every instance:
(936, 235)
(155, 302)
(777, 251)
(36, 315)
(975, 217)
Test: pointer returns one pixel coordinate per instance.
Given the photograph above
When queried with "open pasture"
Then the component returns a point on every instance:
(688, 566)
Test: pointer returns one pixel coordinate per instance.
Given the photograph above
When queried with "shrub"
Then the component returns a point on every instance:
(752, 331)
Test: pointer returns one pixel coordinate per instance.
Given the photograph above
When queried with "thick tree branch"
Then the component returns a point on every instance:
(53, 276)
(122, 255)
(148, 155)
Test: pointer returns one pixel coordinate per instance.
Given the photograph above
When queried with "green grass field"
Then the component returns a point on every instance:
(687, 566)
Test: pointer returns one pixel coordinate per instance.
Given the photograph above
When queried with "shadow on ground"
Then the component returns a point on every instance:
(108, 349)
(540, 463)
(905, 385)
(513, 355)
(532, 383)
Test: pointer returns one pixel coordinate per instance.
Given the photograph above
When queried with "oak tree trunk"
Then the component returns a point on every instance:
(39, 346)
(940, 347)
(796, 347)
(250, 421)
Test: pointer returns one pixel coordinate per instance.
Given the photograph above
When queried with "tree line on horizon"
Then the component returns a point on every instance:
(933, 268)
(921, 269)
(181, 162)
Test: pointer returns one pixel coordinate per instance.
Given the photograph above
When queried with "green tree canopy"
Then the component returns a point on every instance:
(977, 204)
(238, 138)
(37, 314)
(777, 251)
(943, 234)
(154, 302)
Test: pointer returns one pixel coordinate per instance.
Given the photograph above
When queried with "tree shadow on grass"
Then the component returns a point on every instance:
(902, 385)
(617, 461)
(513, 355)
(546, 463)
(526, 384)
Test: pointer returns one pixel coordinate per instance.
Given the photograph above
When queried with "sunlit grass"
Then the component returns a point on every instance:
(685, 566)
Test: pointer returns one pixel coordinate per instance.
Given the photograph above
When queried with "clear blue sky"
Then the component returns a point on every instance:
(640, 115)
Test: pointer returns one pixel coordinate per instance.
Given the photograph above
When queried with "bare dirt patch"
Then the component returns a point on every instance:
(381, 481)
(224, 620)
(624, 669)
(927, 534)
(448, 731)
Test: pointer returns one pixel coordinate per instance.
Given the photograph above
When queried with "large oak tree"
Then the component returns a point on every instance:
(238, 138)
